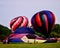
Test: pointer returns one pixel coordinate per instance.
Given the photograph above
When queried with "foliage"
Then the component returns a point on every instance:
(56, 31)
(39, 34)
(57, 28)
(54, 34)
(4, 32)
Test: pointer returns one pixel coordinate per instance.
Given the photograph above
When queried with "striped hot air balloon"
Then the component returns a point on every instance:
(17, 22)
(43, 22)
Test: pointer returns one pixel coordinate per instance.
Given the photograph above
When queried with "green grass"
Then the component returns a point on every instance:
(25, 45)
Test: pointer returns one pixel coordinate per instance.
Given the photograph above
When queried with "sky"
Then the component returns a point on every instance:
(10, 9)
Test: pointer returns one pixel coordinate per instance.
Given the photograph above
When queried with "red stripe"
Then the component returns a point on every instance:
(17, 23)
(12, 22)
(46, 21)
(38, 20)
(25, 21)
(54, 18)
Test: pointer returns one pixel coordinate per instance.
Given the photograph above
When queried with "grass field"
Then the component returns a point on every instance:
(25, 45)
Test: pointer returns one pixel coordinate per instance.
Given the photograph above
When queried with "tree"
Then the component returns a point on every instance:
(4, 32)
(57, 28)
(56, 31)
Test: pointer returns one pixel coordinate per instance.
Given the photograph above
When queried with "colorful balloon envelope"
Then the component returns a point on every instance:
(17, 22)
(43, 22)
(24, 30)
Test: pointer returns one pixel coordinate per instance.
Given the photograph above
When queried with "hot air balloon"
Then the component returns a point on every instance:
(20, 21)
(43, 22)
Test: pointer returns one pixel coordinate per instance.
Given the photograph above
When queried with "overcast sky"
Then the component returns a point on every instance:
(10, 9)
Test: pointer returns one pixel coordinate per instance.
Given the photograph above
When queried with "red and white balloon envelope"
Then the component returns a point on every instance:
(17, 22)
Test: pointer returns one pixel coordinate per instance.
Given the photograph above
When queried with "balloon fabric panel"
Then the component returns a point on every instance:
(16, 40)
(24, 30)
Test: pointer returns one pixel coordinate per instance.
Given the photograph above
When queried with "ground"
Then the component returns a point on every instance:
(26, 45)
